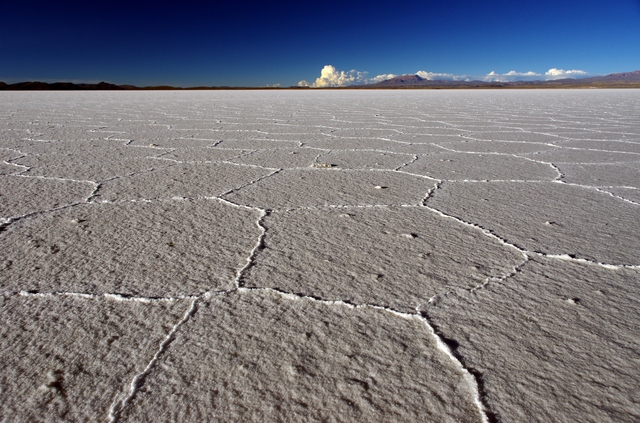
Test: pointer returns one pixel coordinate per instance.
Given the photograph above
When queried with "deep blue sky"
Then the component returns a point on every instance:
(255, 43)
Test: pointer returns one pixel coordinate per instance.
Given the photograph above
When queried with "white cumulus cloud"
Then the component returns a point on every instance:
(554, 73)
(331, 77)
(303, 83)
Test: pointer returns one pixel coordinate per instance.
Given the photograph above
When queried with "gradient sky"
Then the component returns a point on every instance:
(258, 43)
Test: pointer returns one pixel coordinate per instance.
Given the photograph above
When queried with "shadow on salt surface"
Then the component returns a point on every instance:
(66, 359)
(151, 249)
(260, 357)
(396, 257)
(331, 187)
(467, 166)
(558, 341)
(551, 218)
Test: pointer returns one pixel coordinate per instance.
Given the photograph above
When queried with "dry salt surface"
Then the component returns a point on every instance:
(458, 256)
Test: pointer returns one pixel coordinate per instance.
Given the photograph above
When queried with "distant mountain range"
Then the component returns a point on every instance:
(631, 79)
(614, 80)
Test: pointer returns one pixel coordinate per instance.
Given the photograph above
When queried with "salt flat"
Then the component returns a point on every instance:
(339, 256)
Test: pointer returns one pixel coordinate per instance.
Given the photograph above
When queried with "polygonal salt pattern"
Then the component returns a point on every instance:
(68, 358)
(364, 159)
(89, 150)
(176, 142)
(517, 136)
(396, 257)
(550, 218)
(321, 187)
(601, 175)
(508, 147)
(557, 341)
(261, 356)
(280, 158)
(21, 195)
(319, 255)
(185, 180)
(462, 166)
(150, 249)
(630, 146)
(375, 144)
(202, 154)
(585, 156)
(257, 144)
(80, 167)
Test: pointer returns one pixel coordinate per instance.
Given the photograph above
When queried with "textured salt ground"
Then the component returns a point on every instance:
(256, 144)
(202, 154)
(626, 193)
(179, 180)
(142, 249)
(280, 157)
(460, 166)
(39, 194)
(534, 217)
(312, 289)
(425, 145)
(361, 159)
(6, 165)
(86, 166)
(257, 356)
(395, 257)
(64, 358)
(332, 187)
(508, 147)
(601, 174)
(177, 142)
(631, 146)
(585, 156)
(521, 136)
(568, 331)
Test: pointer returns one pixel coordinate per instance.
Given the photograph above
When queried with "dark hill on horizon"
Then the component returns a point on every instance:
(62, 86)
